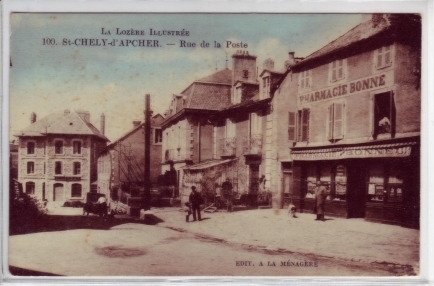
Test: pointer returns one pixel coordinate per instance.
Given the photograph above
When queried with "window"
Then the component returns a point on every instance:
(30, 147)
(58, 168)
(303, 125)
(383, 57)
(266, 87)
(30, 188)
(335, 124)
(230, 129)
(236, 97)
(30, 167)
(384, 114)
(337, 70)
(255, 124)
(376, 183)
(339, 192)
(395, 184)
(158, 136)
(245, 73)
(44, 167)
(76, 168)
(291, 126)
(305, 79)
(76, 191)
(58, 147)
(76, 147)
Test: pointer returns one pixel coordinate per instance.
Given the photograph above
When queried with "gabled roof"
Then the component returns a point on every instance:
(361, 32)
(139, 126)
(61, 123)
(209, 96)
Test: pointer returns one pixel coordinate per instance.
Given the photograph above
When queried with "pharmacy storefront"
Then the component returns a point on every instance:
(377, 182)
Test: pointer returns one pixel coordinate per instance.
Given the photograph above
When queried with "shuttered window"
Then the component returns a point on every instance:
(337, 70)
(291, 126)
(335, 121)
(384, 57)
(303, 125)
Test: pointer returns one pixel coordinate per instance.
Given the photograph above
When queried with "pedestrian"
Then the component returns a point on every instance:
(320, 198)
(227, 190)
(189, 211)
(292, 210)
(195, 201)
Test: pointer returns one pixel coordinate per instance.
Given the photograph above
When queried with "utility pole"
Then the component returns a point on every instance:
(147, 173)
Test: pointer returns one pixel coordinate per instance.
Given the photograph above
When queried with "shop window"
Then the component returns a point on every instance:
(291, 126)
(305, 79)
(30, 188)
(337, 70)
(30, 167)
(384, 118)
(30, 148)
(395, 185)
(335, 124)
(158, 136)
(76, 191)
(340, 187)
(58, 168)
(383, 57)
(266, 87)
(311, 179)
(76, 147)
(58, 147)
(76, 168)
(325, 178)
(303, 125)
(376, 184)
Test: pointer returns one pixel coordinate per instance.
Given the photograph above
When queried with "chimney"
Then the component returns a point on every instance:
(102, 124)
(291, 60)
(268, 64)
(377, 18)
(136, 123)
(244, 67)
(84, 114)
(32, 117)
(66, 112)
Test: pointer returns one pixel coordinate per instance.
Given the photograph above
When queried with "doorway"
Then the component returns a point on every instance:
(287, 188)
(254, 179)
(57, 192)
(356, 192)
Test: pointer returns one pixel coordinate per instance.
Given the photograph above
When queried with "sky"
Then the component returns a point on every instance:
(113, 80)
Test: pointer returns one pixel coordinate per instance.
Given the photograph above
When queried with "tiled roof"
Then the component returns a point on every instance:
(223, 76)
(210, 96)
(359, 33)
(61, 123)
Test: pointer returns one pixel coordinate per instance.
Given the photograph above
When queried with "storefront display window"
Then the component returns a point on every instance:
(395, 185)
(376, 184)
(311, 182)
(340, 191)
(325, 178)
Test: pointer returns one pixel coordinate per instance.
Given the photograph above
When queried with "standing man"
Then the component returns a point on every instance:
(195, 202)
(171, 180)
(227, 190)
(320, 197)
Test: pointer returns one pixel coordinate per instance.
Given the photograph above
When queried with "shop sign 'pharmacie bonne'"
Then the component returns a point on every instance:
(349, 88)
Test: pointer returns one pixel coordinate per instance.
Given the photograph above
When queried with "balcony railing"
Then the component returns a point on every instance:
(172, 154)
(227, 147)
(253, 145)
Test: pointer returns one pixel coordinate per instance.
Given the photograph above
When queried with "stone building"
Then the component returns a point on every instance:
(121, 163)
(57, 155)
(352, 121)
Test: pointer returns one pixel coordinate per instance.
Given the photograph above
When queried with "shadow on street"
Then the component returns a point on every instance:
(49, 223)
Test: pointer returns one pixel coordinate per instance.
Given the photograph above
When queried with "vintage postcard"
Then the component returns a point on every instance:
(214, 144)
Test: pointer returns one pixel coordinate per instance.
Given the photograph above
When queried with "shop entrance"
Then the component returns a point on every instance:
(356, 193)
(254, 179)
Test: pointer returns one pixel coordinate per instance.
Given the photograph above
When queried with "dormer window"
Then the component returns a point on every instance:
(236, 97)
(58, 147)
(30, 147)
(337, 70)
(383, 57)
(305, 79)
(266, 87)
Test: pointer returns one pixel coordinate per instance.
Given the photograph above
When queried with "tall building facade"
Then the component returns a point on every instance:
(352, 121)
(57, 156)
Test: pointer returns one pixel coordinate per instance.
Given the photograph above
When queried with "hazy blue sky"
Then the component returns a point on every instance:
(113, 80)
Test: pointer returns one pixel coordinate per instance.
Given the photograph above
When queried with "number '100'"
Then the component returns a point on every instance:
(48, 41)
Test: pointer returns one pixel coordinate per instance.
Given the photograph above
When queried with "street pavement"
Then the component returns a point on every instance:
(216, 246)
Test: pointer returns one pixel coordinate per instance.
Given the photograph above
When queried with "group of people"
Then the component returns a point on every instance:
(195, 200)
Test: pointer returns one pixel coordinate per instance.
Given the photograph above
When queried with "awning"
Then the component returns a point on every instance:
(207, 164)
(395, 150)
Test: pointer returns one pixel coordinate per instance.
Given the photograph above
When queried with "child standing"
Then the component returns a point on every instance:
(189, 211)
